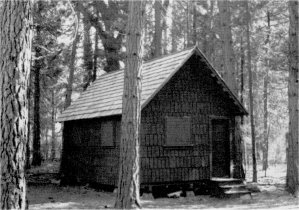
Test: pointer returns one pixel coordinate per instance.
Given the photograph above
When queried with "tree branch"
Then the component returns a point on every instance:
(94, 21)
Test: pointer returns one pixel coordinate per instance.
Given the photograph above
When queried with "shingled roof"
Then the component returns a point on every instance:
(104, 96)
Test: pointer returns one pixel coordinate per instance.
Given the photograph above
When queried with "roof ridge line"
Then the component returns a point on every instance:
(153, 59)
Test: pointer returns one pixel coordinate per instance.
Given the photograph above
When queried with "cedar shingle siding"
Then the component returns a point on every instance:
(178, 105)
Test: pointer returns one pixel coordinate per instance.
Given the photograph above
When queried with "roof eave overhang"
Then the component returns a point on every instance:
(195, 50)
(235, 99)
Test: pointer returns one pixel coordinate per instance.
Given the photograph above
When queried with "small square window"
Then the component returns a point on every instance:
(178, 131)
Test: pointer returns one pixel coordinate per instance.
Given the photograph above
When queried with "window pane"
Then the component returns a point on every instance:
(178, 131)
(107, 134)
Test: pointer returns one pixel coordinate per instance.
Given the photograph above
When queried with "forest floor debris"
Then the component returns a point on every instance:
(53, 196)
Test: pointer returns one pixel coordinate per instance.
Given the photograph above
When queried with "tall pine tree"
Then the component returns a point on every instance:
(128, 185)
(15, 55)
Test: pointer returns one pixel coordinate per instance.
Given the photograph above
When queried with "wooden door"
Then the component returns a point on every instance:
(220, 148)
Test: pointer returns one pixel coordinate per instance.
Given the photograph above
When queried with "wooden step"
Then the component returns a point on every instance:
(228, 187)
(233, 186)
(234, 191)
(226, 181)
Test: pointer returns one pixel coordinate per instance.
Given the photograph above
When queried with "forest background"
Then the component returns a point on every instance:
(75, 42)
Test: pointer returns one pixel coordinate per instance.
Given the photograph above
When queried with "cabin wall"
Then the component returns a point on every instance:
(191, 92)
(84, 158)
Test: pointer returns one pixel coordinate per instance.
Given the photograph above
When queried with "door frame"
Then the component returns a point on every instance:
(231, 132)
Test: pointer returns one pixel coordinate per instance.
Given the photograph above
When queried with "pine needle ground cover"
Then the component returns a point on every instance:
(49, 195)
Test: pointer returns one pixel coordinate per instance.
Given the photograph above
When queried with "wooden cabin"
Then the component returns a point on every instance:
(187, 125)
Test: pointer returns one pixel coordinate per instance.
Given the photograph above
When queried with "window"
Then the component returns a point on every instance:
(107, 134)
(178, 131)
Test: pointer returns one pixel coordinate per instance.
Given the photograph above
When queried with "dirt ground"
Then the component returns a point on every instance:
(49, 195)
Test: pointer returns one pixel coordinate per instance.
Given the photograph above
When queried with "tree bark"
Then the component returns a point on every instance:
(69, 88)
(265, 97)
(128, 185)
(229, 74)
(96, 52)
(15, 55)
(242, 64)
(174, 44)
(46, 145)
(187, 41)
(254, 171)
(87, 54)
(28, 144)
(38, 64)
(207, 46)
(292, 183)
(53, 149)
(112, 45)
(230, 78)
(194, 27)
(164, 26)
(158, 29)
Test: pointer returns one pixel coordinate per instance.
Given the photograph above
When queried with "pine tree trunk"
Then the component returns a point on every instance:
(53, 148)
(187, 41)
(46, 145)
(68, 96)
(128, 185)
(164, 26)
(37, 159)
(174, 45)
(87, 52)
(96, 53)
(69, 88)
(265, 97)
(158, 29)
(292, 183)
(207, 46)
(15, 55)
(230, 78)
(28, 144)
(254, 171)
(242, 64)
(194, 27)
(227, 45)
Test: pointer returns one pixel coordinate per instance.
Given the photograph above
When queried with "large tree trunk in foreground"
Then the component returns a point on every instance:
(128, 185)
(254, 171)
(293, 138)
(15, 55)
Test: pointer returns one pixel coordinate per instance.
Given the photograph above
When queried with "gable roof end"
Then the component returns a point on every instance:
(104, 96)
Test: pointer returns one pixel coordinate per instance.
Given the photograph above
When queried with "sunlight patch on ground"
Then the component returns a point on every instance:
(272, 196)
(67, 205)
